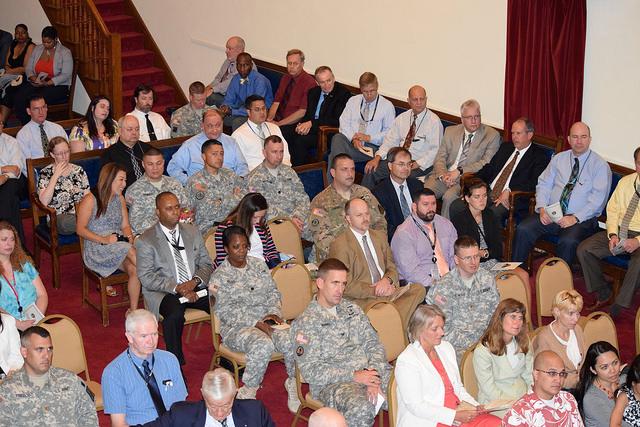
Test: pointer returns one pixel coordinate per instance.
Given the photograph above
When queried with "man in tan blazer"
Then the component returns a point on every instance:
(466, 147)
(372, 271)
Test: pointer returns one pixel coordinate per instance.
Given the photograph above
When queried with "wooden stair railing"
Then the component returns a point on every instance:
(96, 51)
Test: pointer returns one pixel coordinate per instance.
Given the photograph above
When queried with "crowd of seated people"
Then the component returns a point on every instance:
(235, 182)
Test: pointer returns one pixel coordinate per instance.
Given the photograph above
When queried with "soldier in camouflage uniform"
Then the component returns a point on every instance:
(187, 120)
(338, 351)
(42, 395)
(141, 195)
(281, 186)
(214, 191)
(246, 299)
(467, 295)
(326, 220)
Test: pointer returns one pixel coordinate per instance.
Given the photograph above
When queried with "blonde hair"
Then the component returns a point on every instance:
(423, 318)
(567, 299)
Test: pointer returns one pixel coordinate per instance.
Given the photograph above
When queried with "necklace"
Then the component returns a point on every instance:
(606, 390)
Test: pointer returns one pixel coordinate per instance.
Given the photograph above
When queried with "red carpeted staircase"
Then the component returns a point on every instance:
(141, 61)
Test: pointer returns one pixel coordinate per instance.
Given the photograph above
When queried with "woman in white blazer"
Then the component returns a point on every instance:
(503, 359)
(428, 381)
(10, 357)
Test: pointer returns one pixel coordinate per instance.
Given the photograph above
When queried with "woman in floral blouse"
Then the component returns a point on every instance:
(62, 184)
(97, 130)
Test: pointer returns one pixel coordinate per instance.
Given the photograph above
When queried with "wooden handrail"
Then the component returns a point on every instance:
(95, 49)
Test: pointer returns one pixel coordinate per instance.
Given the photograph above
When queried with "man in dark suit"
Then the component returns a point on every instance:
(219, 407)
(466, 147)
(515, 167)
(395, 193)
(173, 265)
(325, 103)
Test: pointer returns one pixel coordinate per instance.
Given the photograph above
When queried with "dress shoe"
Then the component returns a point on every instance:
(614, 311)
(600, 303)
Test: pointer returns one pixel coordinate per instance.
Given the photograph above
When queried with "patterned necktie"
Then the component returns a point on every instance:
(375, 273)
(441, 262)
(566, 191)
(152, 385)
(223, 423)
(260, 131)
(44, 139)
(628, 215)
(364, 116)
(320, 102)
(403, 203)
(183, 276)
(502, 179)
(465, 150)
(150, 130)
(411, 134)
(137, 171)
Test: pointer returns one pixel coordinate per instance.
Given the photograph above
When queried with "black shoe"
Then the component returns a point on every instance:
(615, 310)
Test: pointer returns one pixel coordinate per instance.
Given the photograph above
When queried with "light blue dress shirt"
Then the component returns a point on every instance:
(30, 141)
(237, 93)
(378, 123)
(188, 159)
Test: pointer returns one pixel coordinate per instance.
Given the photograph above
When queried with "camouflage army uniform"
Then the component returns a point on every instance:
(330, 349)
(141, 200)
(187, 121)
(243, 298)
(326, 220)
(214, 196)
(285, 193)
(468, 309)
(64, 400)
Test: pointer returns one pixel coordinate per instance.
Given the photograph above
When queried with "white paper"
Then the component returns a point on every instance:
(379, 402)
(619, 248)
(281, 326)
(554, 211)
(32, 312)
(366, 150)
(201, 293)
(501, 266)
(311, 266)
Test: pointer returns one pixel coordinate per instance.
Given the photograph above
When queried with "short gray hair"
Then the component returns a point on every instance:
(423, 318)
(136, 317)
(218, 384)
(469, 103)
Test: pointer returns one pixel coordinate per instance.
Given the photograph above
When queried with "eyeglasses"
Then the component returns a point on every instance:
(469, 258)
(553, 374)
(474, 117)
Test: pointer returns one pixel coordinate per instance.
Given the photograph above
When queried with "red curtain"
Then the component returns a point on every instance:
(545, 63)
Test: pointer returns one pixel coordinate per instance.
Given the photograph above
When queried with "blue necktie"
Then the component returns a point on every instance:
(322, 96)
(154, 390)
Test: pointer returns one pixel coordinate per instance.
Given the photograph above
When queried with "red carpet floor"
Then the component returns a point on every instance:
(103, 344)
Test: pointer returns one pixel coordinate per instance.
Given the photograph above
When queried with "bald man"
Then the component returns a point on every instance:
(327, 417)
(418, 129)
(546, 401)
(217, 89)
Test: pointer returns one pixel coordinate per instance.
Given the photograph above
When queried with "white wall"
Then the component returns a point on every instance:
(418, 42)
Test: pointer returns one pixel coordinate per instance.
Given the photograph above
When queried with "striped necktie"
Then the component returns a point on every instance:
(465, 150)
(183, 276)
(628, 215)
(375, 273)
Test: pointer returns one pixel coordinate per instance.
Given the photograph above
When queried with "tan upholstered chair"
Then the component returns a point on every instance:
(69, 351)
(599, 327)
(467, 373)
(386, 320)
(392, 394)
(554, 275)
(294, 283)
(286, 237)
(210, 243)
(511, 286)
(306, 401)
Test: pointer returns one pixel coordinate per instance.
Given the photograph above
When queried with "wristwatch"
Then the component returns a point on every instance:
(611, 235)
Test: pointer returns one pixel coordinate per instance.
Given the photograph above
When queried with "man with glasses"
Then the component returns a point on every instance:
(466, 147)
(468, 296)
(418, 129)
(546, 403)
(34, 137)
(570, 196)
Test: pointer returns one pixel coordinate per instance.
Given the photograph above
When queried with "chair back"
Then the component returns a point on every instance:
(67, 341)
(600, 327)
(294, 283)
(210, 243)
(468, 374)
(638, 331)
(511, 286)
(215, 325)
(392, 393)
(386, 320)
(286, 237)
(554, 275)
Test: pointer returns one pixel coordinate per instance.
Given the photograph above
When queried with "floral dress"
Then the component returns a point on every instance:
(632, 411)
(68, 190)
(80, 132)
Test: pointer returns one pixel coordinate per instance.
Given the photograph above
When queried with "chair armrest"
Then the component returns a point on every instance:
(513, 195)
(40, 209)
(323, 137)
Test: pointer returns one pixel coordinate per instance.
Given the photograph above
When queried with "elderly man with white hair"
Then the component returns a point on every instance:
(142, 382)
(327, 417)
(219, 407)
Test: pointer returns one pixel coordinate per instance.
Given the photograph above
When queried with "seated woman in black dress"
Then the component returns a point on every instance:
(483, 226)
(14, 65)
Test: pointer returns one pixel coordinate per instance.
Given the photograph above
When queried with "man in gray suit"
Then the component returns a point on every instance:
(172, 264)
(466, 147)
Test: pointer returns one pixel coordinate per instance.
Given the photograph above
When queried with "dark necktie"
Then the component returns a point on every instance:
(628, 215)
(150, 130)
(152, 385)
(44, 139)
(465, 150)
(223, 423)
(183, 276)
(137, 171)
(403, 203)
(285, 98)
(411, 134)
(566, 191)
(502, 180)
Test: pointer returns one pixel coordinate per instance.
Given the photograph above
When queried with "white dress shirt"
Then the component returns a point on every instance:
(426, 141)
(454, 166)
(211, 422)
(183, 252)
(251, 144)
(256, 245)
(371, 248)
(29, 138)
(404, 194)
(522, 153)
(378, 122)
(160, 126)
(10, 154)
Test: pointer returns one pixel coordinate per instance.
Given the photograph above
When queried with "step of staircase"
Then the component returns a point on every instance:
(120, 23)
(133, 59)
(151, 76)
(109, 7)
(132, 41)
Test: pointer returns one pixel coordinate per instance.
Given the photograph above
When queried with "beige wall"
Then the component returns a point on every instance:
(455, 49)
